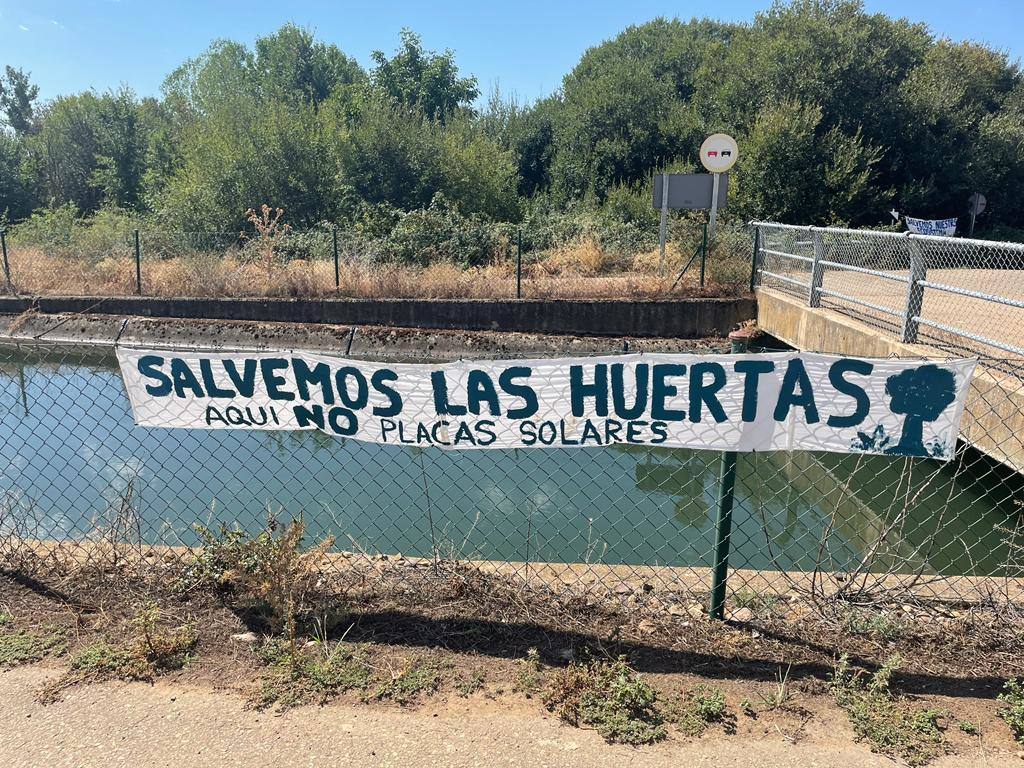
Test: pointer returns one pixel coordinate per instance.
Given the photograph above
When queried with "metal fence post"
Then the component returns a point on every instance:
(138, 264)
(915, 291)
(723, 517)
(519, 263)
(756, 257)
(817, 268)
(663, 225)
(337, 265)
(7, 265)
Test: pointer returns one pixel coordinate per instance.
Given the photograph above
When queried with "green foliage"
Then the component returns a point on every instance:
(16, 198)
(874, 623)
(272, 571)
(17, 97)
(23, 647)
(697, 709)
(418, 677)
(1012, 711)
(890, 724)
(89, 150)
(467, 686)
(608, 696)
(151, 649)
(529, 677)
(422, 79)
(316, 675)
(840, 114)
(441, 233)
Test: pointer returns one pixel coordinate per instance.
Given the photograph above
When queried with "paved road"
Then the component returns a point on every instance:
(982, 318)
(139, 725)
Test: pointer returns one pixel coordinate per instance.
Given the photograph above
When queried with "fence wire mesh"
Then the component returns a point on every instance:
(349, 263)
(81, 483)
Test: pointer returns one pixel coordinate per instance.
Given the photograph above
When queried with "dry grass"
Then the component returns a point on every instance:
(584, 270)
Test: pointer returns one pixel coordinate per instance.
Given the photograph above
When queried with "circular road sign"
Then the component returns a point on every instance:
(977, 203)
(719, 152)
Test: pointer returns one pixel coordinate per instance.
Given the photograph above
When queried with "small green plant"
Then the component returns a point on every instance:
(1012, 711)
(21, 647)
(152, 651)
(889, 724)
(759, 604)
(317, 675)
(529, 677)
(416, 677)
(467, 686)
(698, 708)
(779, 695)
(874, 623)
(969, 728)
(608, 696)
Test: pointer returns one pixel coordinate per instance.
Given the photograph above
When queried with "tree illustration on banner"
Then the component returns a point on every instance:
(922, 394)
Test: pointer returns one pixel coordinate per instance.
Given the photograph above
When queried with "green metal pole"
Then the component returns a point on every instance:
(519, 264)
(703, 254)
(723, 518)
(7, 265)
(138, 264)
(337, 265)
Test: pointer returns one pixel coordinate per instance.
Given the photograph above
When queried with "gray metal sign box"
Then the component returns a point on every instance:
(691, 191)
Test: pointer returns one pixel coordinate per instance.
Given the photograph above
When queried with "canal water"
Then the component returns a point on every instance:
(71, 456)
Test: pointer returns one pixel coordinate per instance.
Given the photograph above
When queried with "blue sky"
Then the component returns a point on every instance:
(525, 47)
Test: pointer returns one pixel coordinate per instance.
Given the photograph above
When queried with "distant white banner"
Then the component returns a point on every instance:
(756, 402)
(945, 227)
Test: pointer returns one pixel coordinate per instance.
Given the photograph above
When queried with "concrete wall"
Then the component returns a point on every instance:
(361, 342)
(684, 318)
(994, 418)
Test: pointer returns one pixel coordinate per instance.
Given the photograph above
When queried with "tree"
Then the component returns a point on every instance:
(793, 169)
(90, 149)
(292, 65)
(922, 394)
(424, 79)
(15, 194)
(17, 95)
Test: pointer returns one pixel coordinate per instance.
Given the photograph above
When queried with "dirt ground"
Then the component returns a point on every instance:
(489, 651)
(172, 724)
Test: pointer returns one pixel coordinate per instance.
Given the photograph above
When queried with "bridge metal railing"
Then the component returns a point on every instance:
(951, 293)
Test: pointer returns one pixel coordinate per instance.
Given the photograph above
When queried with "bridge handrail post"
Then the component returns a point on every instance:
(915, 291)
(817, 268)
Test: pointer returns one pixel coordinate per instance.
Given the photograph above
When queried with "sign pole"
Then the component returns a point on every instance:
(714, 208)
(663, 228)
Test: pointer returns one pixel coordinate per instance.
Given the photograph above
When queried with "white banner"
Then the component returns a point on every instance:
(755, 402)
(945, 227)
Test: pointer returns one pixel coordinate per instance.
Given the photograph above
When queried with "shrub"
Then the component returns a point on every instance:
(441, 233)
(698, 708)
(610, 697)
(888, 723)
(1012, 711)
(270, 569)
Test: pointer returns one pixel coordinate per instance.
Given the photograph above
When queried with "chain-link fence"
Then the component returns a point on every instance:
(80, 481)
(950, 293)
(338, 262)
